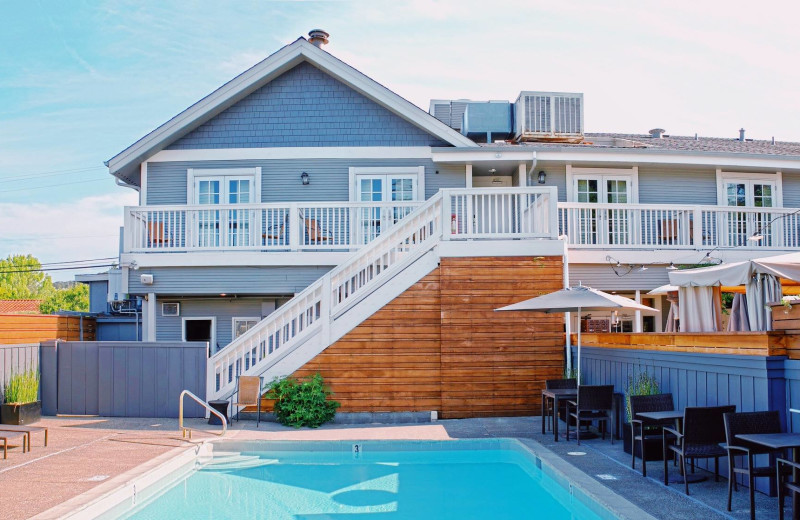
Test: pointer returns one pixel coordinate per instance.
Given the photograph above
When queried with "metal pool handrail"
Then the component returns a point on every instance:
(204, 405)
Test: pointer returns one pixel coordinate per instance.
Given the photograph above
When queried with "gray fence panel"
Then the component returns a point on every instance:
(129, 379)
(15, 359)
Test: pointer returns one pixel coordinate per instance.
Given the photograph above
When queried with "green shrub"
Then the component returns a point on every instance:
(644, 384)
(22, 388)
(302, 403)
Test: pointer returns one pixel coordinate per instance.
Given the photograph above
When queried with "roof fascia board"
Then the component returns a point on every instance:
(472, 155)
(672, 157)
(263, 73)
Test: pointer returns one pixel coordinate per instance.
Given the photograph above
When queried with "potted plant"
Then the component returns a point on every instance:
(643, 384)
(21, 395)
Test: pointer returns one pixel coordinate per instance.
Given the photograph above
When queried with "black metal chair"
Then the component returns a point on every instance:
(557, 384)
(648, 429)
(701, 438)
(744, 423)
(785, 468)
(595, 403)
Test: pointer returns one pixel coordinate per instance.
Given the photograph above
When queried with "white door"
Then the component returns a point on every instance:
(383, 188)
(228, 228)
(603, 226)
(739, 225)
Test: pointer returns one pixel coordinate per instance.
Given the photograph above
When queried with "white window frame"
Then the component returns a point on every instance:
(723, 177)
(418, 171)
(194, 173)
(241, 318)
(632, 174)
(171, 315)
(213, 343)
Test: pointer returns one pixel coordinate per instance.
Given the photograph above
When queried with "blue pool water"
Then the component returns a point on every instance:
(379, 482)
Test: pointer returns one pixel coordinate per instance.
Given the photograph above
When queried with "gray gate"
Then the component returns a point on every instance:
(123, 379)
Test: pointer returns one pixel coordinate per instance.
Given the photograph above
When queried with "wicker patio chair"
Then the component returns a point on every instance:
(744, 423)
(784, 469)
(557, 384)
(703, 432)
(643, 430)
(247, 393)
(595, 403)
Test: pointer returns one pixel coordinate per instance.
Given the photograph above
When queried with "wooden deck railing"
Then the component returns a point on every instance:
(774, 343)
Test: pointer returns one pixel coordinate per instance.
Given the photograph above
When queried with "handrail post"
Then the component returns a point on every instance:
(446, 209)
(552, 200)
(325, 311)
(697, 227)
(294, 227)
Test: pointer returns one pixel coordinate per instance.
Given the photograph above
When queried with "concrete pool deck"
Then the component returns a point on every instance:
(87, 457)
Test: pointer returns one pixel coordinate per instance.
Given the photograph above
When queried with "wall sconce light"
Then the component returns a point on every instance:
(542, 177)
(305, 179)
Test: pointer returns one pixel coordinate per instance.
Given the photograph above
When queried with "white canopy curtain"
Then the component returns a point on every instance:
(739, 321)
(762, 284)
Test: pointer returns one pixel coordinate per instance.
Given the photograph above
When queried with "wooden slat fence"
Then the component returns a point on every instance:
(34, 328)
(736, 343)
(15, 359)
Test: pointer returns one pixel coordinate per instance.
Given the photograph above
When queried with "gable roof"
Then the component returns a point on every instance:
(124, 165)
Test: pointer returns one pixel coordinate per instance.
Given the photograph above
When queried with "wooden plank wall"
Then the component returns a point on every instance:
(737, 343)
(441, 346)
(495, 363)
(392, 361)
(15, 359)
(34, 328)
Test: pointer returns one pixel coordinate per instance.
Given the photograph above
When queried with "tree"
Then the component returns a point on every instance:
(20, 279)
(74, 298)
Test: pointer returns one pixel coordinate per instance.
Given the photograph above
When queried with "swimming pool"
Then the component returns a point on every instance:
(487, 479)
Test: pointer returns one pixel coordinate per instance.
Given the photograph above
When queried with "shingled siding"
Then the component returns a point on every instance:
(305, 107)
(280, 179)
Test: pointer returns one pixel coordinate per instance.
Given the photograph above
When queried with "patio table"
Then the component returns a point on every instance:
(780, 441)
(677, 416)
(556, 394)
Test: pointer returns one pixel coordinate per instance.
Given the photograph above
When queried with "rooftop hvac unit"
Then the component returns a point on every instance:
(449, 111)
(549, 116)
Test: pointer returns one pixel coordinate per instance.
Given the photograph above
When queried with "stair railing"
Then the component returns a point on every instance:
(205, 405)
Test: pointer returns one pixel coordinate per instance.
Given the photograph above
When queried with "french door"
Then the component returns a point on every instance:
(383, 188)
(738, 226)
(223, 228)
(603, 226)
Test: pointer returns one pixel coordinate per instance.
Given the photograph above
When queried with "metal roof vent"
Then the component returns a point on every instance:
(318, 37)
(741, 134)
(657, 133)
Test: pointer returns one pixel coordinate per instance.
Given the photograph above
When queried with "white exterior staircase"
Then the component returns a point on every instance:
(376, 274)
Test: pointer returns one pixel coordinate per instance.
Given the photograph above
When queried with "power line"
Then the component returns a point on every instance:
(53, 237)
(57, 269)
(52, 185)
(80, 261)
(23, 178)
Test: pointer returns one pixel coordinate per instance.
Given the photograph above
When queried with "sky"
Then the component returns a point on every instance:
(82, 80)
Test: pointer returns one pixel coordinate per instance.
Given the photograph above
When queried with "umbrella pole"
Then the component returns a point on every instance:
(579, 345)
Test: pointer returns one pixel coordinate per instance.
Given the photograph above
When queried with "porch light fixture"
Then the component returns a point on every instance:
(305, 179)
(542, 177)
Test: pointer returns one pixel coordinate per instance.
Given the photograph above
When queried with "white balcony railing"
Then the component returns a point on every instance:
(298, 226)
(458, 214)
(665, 226)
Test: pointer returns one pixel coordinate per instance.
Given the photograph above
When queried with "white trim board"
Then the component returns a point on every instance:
(714, 159)
(143, 184)
(295, 152)
(261, 74)
(723, 176)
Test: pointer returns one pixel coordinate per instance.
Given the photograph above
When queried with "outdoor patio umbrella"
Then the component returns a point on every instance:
(577, 299)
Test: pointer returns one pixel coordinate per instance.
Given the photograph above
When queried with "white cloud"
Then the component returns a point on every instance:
(84, 229)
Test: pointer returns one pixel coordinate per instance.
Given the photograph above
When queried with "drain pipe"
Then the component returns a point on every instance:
(530, 171)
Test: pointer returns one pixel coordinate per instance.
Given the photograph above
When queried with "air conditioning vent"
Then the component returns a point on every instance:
(171, 309)
(549, 116)
(449, 112)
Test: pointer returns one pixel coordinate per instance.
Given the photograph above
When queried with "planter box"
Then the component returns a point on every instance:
(653, 447)
(785, 318)
(21, 414)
